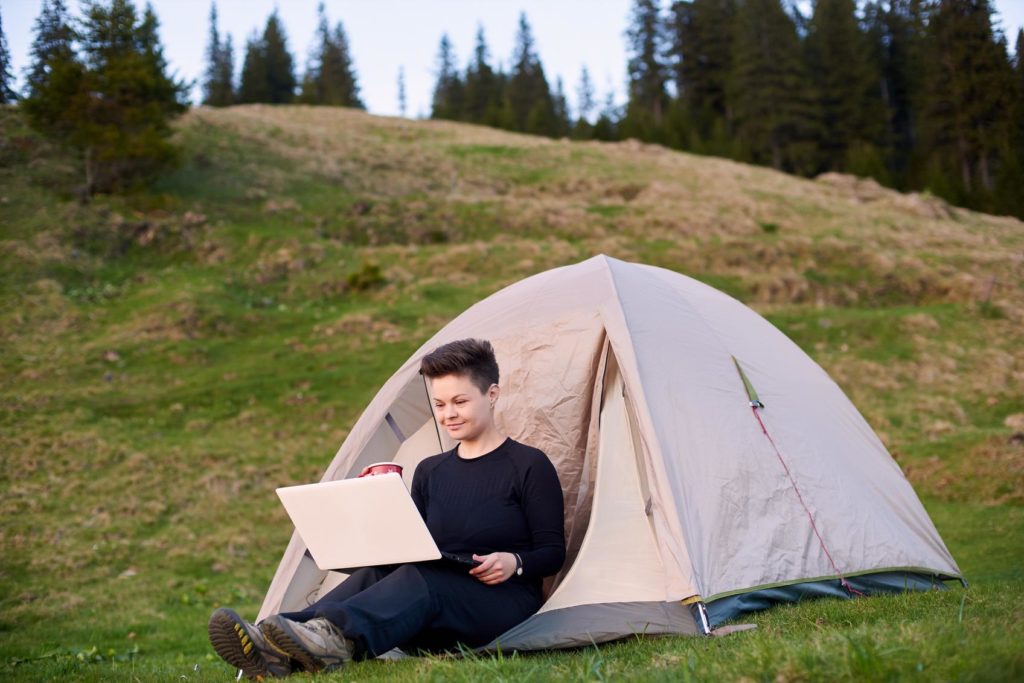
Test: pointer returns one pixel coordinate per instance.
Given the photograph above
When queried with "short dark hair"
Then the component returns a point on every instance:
(473, 358)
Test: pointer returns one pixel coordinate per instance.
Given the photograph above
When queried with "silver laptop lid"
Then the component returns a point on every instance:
(359, 522)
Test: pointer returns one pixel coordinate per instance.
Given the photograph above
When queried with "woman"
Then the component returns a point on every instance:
(490, 496)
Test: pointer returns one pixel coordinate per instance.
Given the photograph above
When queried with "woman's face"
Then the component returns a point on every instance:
(460, 406)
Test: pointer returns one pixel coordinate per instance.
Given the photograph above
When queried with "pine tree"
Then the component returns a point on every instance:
(213, 48)
(967, 104)
(280, 71)
(226, 74)
(648, 73)
(253, 86)
(7, 93)
(55, 93)
(563, 121)
(402, 102)
(218, 87)
(1018, 58)
(500, 115)
(308, 85)
(607, 125)
(896, 34)
(846, 84)
(1008, 196)
(701, 48)
(331, 77)
(53, 81)
(582, 128)
(528, 96)
(268, 73)
(345, 80)
(449, 90)
(774, 113)
(483, 99)
(120, 114)
(1018, 68)
(585, 102)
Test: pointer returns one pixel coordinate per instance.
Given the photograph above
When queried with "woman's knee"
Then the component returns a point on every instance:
(408, 572)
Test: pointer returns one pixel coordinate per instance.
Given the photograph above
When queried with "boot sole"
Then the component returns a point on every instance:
(232, 643)
(283, 639)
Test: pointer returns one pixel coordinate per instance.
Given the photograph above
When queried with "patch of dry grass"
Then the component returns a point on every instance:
(991, 472)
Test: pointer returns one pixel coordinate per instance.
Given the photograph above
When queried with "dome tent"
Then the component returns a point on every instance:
(708, 466)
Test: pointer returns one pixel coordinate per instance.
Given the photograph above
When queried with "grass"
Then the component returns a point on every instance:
(168, 359)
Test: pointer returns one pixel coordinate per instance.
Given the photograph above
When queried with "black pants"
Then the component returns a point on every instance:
(423, 606)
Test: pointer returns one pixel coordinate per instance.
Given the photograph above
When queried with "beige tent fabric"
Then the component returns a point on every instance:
(723, 514)
(618, 561)
(743, 523)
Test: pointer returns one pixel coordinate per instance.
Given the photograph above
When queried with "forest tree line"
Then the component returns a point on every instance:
(918, 94)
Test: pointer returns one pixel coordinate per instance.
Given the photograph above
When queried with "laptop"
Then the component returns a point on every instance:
(365, 522)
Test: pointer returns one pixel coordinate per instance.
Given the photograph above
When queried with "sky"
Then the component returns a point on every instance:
(388, 35)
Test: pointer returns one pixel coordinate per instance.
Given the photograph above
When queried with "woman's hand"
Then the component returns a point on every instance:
(494, 568)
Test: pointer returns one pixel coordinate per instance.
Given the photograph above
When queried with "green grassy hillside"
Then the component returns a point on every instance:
(168, 359)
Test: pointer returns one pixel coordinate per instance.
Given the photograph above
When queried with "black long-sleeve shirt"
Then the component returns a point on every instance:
(508, 500)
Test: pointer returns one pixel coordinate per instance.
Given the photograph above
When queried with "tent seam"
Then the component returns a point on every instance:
(622, 311)
(944, 576)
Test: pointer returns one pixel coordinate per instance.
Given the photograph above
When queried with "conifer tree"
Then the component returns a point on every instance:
(253, 85)
(1018, 63)
(483, 99)
(1009, 198)
(226, 74)
(896, 31)
(500, 115)
(582, 128)
(212, 57)
(7, 93)
(120, 114)
(774, 113)
(607, 125)
(701, 48)
(268, 73)
(307, 86)
(53, 81)
(331, 78)
(279, 67)
(528, 96)
(1018, 58)
(402, 103)
(561, 110)
(846, 84)
(218, 82)
(585, 102)
(449, 90)
(968, 101)
(1018, 67)
(340, 70)
(648, 73)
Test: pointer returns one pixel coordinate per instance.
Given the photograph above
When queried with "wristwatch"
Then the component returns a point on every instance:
(519, 564)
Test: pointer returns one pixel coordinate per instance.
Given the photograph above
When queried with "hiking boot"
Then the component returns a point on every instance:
(317, 645)
(243, 646)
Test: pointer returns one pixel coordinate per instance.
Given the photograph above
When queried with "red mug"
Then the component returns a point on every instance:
(381, 468)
